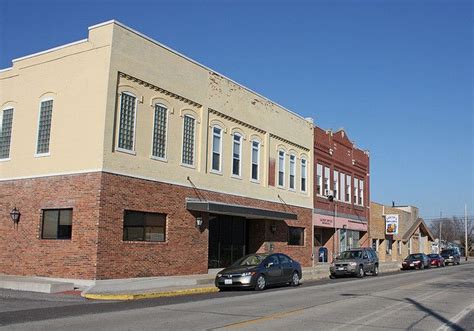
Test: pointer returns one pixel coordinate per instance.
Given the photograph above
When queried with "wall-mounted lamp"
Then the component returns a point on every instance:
(198, 221)
(273, 228)
(15, 215)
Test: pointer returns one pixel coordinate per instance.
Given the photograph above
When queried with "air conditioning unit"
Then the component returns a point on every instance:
(328, 192)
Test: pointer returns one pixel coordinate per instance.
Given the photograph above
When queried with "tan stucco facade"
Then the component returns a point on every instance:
(85, 80)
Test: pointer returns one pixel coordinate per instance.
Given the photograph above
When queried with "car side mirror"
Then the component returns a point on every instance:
(268, 265)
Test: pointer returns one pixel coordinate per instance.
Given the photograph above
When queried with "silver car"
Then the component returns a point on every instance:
(355, 262)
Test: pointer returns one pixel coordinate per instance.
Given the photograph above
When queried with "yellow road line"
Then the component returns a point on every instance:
(151, 295)
(263, 319)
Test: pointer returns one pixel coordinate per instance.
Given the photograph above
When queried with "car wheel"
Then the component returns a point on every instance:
(295, 279)
(332, 276)
(360, 272)
(261, 283)
(376, 271)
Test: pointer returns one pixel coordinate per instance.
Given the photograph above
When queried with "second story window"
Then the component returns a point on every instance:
(319, 179)
(255, 159)
(361, 193)
(216, 148)
(304, 174)
(126, 135)
(6, 121)
(281, 168)
(159, 132)
(326, 181)
(292, 171)
(356, 191)
(236, 154)
(335, 186)
(188, 140)
(348, 188)
(44, 127)
(342, 186)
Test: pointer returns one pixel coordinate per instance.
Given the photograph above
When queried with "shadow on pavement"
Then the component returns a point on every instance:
(431, 312)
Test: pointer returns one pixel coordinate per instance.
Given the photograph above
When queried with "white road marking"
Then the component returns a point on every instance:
(463, 313)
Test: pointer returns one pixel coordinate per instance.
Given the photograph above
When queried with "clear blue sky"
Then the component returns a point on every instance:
(397, 75)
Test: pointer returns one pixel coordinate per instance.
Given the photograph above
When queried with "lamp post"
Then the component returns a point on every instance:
(466, 248)
(331, 199)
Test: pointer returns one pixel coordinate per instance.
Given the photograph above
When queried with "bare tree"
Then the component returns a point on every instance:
(452, 229)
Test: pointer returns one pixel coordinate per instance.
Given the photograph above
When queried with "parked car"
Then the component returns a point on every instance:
(436, 260)
(355, 262)
(259, 271)
(418, 260)
(451, 255)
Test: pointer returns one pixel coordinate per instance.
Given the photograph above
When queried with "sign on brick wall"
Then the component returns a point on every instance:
(391, 224)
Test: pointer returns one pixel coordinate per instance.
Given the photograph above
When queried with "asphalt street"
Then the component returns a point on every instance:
(416, 300)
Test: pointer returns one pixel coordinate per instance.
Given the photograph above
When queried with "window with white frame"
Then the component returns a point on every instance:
(326, 181)
(44, 127)
(319, 179)
(159, 131)
(126, 135)
(281, 168)
(216, 148)
(187, 157)
(236, 154)
(361, 193)
(255, 159)
(336, 184)
(356, 191)
(342, 195)
(6, 121)
(292, 171)
(348, 188)
(304, 174)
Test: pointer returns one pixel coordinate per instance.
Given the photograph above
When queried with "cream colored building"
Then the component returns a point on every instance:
(120, 103)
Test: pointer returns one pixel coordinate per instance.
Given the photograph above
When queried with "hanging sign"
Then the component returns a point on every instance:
(391, 224)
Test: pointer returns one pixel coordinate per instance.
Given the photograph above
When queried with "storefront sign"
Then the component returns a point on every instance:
(326, 221)
(391, 224)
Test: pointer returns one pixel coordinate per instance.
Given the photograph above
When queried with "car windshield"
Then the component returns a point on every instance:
(414, 257)
(251, 260)
(350, 255)
(433, 256)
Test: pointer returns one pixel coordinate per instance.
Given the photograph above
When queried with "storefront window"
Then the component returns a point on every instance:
(348, 239)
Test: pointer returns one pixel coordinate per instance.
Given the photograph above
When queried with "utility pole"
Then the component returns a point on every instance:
(440, 224)
(466, 249)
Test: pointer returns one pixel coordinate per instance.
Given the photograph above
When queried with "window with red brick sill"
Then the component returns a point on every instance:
(144, 226)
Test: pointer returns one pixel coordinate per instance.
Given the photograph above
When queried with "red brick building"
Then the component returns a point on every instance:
(341, 170)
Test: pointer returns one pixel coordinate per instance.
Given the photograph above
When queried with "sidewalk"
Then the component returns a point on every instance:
(150, 287)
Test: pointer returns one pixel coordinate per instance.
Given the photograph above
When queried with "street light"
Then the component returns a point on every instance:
(15, 215)
(331, 199)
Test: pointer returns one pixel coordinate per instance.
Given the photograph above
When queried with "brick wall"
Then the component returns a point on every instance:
(186, 248)
(23, 252)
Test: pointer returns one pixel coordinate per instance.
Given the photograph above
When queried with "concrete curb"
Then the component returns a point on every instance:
(151, 295)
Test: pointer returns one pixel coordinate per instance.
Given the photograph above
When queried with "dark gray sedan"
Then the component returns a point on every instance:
(259, 271)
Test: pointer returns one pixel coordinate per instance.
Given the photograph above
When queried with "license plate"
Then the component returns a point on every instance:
(228, 281)
(412, 265)
(340, 268)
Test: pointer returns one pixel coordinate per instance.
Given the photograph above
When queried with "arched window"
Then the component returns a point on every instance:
(189, 126)
(255, 159)
(236, 154)
(44, 127)
(160, 127)
(6, 121)
(216, 163)
(128, 117)
(281, 168)
(304, 175)
(292, 183)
